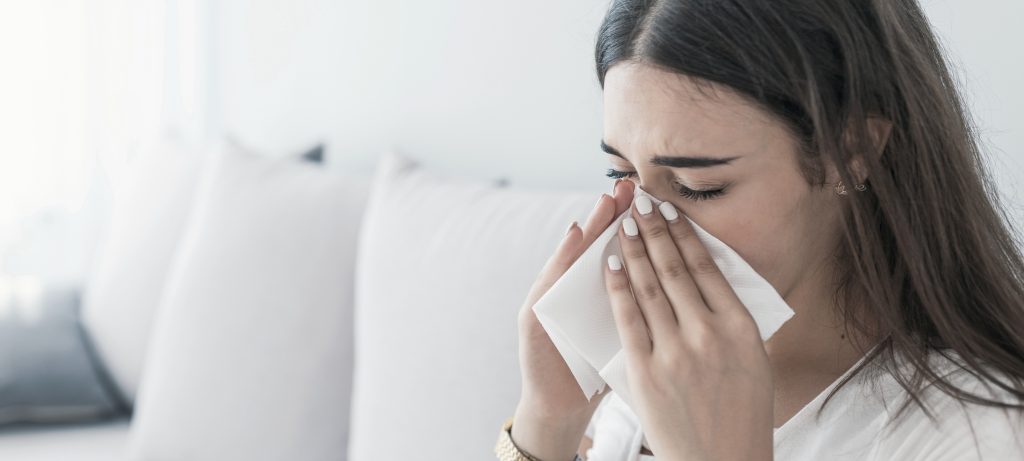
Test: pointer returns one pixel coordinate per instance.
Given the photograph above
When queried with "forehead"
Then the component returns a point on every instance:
(650, 111)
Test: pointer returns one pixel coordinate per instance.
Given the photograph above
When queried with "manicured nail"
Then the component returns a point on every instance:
(668, 211)
(572, 225)
(598, 202)
(643, 204)
(629, 225)
(614, 263)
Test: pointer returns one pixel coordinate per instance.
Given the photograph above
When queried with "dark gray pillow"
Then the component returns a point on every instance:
(48, 373)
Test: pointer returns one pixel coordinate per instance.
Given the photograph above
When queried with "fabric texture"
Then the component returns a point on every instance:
(46, 372)
(251, 355)
(444, 267)
(852, 426)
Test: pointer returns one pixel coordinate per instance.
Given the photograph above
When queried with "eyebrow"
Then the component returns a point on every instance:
(675, 161)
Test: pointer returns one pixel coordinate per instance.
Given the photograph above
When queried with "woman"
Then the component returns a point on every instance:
(825, 142)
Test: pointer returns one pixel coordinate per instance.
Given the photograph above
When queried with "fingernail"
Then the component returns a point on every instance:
(616, 184)
(629, 225)
(668, 211)
(599, 201)
(643, 204)
(614, 263)
(573, 224)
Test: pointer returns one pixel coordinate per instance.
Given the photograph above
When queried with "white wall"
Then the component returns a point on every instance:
(480, 88)
(491, 89)
(984, 37)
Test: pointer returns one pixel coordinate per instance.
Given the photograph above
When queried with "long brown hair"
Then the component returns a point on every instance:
(928, 255)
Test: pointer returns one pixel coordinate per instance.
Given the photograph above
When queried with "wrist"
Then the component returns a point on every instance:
(547, 438)
(541, 409)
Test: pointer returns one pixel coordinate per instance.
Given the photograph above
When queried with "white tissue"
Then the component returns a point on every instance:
(577, 314)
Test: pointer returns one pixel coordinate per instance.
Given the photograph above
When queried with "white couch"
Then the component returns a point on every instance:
(423, 329)
(489, 91)
(103, 441)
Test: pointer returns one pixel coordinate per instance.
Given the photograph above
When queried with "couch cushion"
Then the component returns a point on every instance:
(126, 283)
(444, 266)
(104, 441)
(251, 353)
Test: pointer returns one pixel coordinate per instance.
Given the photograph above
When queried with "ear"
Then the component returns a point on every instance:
(878, 131)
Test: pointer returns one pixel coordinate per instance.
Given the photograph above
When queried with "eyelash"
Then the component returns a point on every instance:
(692, 194)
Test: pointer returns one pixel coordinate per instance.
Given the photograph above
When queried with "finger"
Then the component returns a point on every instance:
(563, 257)
(623, 192)
(669, 266)
(598, 221)
(566, 253)
(714, 288)
(572, 246)
(629, 320)
(645, 284)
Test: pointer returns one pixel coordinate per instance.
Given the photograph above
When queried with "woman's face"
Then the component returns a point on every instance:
(728, 165)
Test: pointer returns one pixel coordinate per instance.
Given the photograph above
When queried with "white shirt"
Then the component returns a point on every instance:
(851, 426)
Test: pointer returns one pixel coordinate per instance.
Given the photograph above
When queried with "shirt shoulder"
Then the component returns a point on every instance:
(958, 429)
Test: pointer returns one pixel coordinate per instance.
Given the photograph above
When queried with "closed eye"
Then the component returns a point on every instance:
(681, 189)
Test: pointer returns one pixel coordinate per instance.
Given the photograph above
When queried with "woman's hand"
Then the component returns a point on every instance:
(697, 369)
(551, 401)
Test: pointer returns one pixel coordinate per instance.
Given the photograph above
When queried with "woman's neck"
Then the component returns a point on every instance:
(812, 349)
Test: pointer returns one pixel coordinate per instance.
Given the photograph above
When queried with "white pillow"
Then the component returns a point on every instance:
(251, 354)
(443, 268)
(127, 279)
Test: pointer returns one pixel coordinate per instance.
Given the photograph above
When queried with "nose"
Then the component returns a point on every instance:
(638, 190)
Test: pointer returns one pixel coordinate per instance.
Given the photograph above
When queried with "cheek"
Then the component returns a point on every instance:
(776, 232)
(761, 239)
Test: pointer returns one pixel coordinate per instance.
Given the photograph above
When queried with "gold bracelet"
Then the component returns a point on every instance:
(506, 449)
